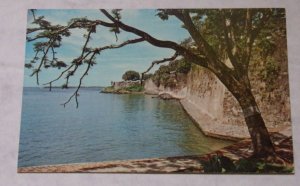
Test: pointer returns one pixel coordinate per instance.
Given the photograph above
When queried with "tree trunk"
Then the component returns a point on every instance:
(261, 141)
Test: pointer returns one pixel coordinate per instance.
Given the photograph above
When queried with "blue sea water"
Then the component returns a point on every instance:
(105, 127)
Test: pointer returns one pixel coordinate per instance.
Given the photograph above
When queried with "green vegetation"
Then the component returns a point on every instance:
(126, 86)
(167, 75)
(135, 88)
(131, 75)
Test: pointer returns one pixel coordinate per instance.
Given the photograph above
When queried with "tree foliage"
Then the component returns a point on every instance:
(166, 74)
(131, 75)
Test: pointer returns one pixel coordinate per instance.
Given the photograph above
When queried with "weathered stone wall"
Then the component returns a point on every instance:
(208, 104)
(124, 84)
(208, 94)
(206, 91)
(178, 92)
(217, 112)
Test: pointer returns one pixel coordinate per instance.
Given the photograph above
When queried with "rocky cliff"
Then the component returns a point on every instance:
(217, 112)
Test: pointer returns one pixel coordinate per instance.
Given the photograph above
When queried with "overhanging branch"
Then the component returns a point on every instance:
(75, 94)
(94, 52)
(159, 43)
(131, 41)
(159, 62)
(36, 72)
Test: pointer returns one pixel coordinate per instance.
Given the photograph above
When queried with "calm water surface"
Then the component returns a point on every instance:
(105, 127)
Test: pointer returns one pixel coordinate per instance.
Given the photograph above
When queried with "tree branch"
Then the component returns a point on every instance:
(224, 73)
(253, 33)
(81, 59)
(95, 51)
(72, 25)
(195, 33)
(160, 61)
(75, 94)
(50, 42)
(215, 65)
(116, 23)
(228, 40)
(132, 41)
(202, 61)
(33, 14)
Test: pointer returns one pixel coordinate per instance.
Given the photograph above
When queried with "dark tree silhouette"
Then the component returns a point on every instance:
(131, 75)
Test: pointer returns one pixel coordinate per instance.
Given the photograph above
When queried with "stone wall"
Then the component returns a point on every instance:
(217, 112)
(208, 104)
(124, 84)
(178, 92)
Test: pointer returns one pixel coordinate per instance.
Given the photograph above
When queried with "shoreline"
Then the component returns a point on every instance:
(210, 127)
(205, 123)
(213, 128)
(176, 164)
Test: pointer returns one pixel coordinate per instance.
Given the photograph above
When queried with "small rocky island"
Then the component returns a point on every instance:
(132, 84)
(124, 87)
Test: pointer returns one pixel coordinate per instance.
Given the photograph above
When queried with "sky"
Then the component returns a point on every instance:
(111, 64)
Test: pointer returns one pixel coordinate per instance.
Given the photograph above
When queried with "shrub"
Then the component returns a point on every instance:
(163, 76)
(131, 76)
(135, 88)
(222, 164)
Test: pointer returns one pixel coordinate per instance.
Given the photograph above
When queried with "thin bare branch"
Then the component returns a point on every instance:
(71, 73)
(36, 54)
(75, 94)
(33, 14)
(73, 25)
(86, 42)
(36, 72)
(62, 73)
(31, 30)
(94, 52)
(131, 41)
(159, 62)
(81, 58)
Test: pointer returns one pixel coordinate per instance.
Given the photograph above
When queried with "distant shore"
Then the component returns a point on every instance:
(124, 87)
(65, 88)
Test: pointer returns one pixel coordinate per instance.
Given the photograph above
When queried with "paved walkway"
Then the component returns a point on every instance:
(180, 164)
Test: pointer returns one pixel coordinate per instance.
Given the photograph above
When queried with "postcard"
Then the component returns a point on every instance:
(156, 91)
